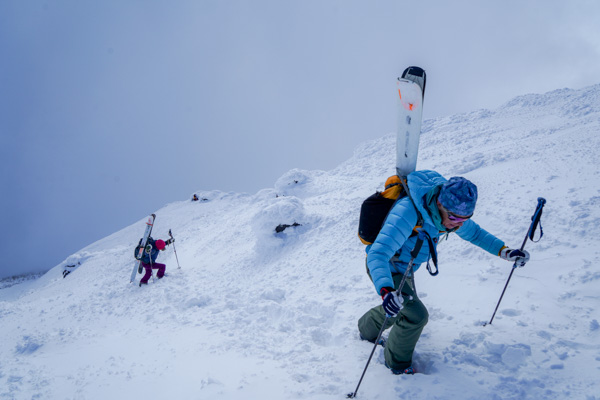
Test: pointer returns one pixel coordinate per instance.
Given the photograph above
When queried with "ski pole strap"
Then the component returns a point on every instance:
(536, 219)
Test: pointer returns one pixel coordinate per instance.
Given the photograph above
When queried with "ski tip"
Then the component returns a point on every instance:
(417, 75)
(415, 71)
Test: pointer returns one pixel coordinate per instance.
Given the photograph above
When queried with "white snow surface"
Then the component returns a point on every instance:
(257, 315)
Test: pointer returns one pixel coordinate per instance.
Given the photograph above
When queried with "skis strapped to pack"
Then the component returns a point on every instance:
(141, 247)
(411, 94)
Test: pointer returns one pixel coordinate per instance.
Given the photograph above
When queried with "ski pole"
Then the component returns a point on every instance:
(173, 242)
(413, 255)
(535, 220)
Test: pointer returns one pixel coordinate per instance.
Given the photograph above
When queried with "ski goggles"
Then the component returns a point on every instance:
(455, 218)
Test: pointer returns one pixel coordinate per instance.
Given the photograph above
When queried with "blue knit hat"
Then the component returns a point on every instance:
(459, 196)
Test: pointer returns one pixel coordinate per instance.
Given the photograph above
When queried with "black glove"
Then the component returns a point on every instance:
(392, 303)
(168, 242)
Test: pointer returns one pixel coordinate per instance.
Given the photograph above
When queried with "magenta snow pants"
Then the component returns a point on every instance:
(160, 267)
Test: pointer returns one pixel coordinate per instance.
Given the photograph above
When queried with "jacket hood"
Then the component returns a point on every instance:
(419, 184)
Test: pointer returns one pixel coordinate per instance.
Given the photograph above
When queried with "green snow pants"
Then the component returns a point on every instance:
(406, 326)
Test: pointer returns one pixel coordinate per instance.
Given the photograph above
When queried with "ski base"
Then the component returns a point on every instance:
(411, 89)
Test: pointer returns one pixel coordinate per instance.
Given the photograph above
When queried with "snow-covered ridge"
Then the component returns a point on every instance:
(566, 101)
(258, 314)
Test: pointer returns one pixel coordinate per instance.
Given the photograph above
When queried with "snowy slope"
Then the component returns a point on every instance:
(253, 314)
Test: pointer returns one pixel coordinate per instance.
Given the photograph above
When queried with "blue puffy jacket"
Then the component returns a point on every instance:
(394, 237)
(153, 253)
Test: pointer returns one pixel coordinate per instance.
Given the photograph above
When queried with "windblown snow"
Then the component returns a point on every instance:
(256, 314)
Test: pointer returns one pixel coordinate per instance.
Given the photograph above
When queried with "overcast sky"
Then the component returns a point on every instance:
(111, 109)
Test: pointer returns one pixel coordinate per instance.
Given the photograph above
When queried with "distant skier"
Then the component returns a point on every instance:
(445, 206)
(149, 259)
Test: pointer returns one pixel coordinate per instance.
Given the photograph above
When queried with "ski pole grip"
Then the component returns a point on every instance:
(417, 249)
(536, 219)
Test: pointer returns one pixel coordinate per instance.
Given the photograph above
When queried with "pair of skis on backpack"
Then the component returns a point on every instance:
(374, 210)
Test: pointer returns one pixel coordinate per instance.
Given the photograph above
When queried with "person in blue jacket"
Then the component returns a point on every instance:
(149, 259)
(445, 206)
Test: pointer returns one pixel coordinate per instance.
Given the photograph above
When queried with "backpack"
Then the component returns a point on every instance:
(374, 211)
(136, 251)
(376, 207)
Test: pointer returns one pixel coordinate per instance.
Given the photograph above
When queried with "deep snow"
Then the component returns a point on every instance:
(258, 315)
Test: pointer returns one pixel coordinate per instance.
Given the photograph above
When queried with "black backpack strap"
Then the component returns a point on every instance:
(432, 256)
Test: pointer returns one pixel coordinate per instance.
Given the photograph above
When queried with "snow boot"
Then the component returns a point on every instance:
(405, 371)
